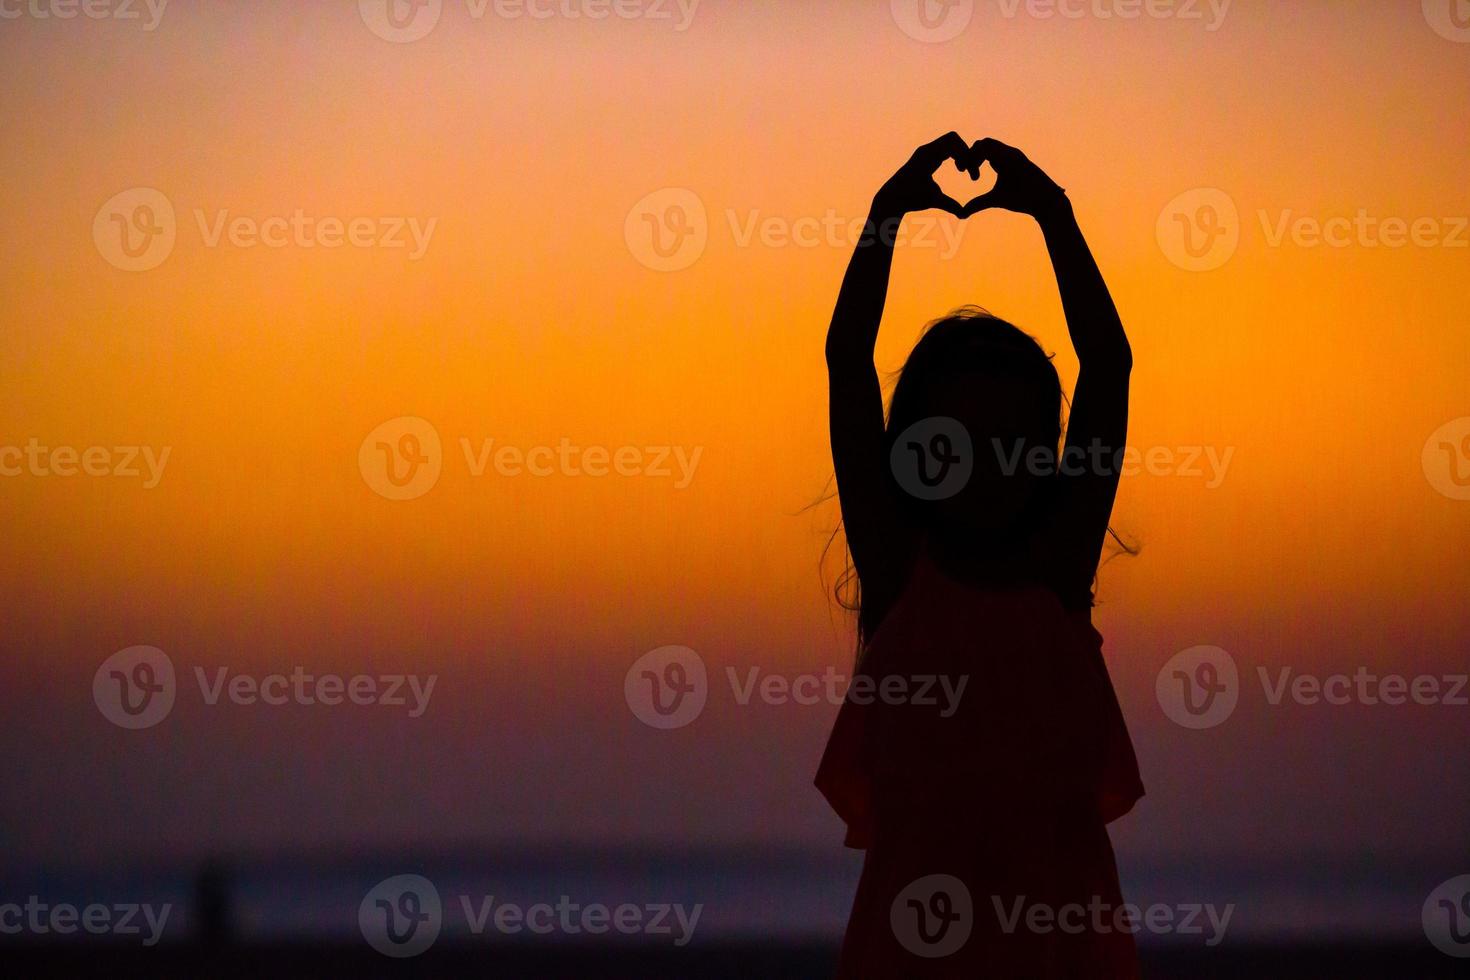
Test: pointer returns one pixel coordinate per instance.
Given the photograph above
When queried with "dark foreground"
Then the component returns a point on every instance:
(772, 963)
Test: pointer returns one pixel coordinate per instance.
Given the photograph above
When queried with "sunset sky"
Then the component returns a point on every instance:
(526, 152)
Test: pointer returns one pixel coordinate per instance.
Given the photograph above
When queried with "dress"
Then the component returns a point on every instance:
(1004, 789)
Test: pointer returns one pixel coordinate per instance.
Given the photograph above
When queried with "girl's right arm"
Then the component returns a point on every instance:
(875, 535)
(1097, 426)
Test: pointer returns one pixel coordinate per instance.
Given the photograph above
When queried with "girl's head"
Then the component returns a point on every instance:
(974, 386)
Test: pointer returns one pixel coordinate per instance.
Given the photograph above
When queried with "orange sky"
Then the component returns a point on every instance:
(529, 319)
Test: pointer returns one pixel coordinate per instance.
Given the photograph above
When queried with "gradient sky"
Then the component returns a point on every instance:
(529, 319)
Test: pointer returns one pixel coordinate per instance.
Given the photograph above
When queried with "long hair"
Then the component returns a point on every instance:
(971, 342)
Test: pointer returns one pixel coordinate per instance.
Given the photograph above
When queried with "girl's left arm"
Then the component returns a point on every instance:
(1097, 427)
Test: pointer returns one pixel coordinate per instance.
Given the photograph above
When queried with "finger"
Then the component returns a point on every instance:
(995, 151)
(947, 146)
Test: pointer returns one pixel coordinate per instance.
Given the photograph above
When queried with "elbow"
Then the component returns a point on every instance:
(841, 355)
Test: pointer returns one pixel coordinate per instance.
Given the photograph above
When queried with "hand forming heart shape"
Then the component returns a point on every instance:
(1020, 185)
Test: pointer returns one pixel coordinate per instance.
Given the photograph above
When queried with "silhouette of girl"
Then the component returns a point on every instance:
(975, 544)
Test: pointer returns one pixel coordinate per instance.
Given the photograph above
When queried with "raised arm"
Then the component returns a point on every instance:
(1097, 427)
(875, 536)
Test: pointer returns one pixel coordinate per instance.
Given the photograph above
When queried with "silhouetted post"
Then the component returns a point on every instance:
(212, 906)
